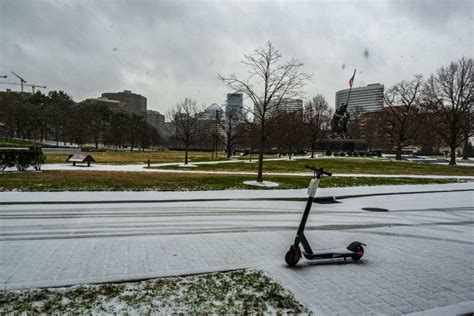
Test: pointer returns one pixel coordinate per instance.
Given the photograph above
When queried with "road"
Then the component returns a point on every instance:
(419, 253)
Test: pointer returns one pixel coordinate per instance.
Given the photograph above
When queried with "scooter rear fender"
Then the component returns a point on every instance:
(354, 245)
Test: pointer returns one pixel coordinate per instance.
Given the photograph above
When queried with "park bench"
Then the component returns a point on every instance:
(80, 159)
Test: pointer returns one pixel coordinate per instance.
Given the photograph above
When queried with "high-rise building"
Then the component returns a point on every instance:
(157, 120)
(289, 106)
(283, 106)
(112, 105)
(211, 112)
(362, 100)
(210, 121)
(136, 103)
(234, 109)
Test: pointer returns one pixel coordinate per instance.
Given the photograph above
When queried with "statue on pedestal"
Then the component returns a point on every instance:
(339, 121)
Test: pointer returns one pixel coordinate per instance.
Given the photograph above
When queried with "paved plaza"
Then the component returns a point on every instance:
(418, 256)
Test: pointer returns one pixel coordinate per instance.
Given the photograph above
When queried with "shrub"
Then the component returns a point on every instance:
(22, 159)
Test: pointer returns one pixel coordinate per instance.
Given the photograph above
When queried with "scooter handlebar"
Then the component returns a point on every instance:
(318, 170)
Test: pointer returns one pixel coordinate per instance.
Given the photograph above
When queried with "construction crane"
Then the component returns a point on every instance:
(33, 86)
(22, 81)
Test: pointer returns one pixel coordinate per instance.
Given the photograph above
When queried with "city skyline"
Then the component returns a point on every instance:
(167, 51)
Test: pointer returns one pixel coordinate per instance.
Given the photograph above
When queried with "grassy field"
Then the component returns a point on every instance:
(343, 165)
(137, 157)
(139, 181)
(4, 142)
(235, 292)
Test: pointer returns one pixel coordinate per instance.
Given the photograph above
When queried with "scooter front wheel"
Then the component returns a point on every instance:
(293, 256)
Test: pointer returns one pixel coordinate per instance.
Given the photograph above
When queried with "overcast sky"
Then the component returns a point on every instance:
(169, 50)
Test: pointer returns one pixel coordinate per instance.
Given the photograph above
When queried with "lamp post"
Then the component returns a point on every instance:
(215, 139)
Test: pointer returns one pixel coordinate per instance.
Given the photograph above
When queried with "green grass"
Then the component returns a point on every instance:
(140, 181)
(236, 292)
(4, 142)
(136, 157)
(342, 165)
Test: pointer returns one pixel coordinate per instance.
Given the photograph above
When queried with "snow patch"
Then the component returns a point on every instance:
(266, 184)
(189, 165)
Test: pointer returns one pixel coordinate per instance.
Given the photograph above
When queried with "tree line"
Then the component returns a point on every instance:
(55, 116)
(285, 132)
(435, 111)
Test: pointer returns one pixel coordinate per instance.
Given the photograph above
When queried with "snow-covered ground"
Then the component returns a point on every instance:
(147, 196)
(418, 255)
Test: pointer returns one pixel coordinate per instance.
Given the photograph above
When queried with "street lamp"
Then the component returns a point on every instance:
(215, 140)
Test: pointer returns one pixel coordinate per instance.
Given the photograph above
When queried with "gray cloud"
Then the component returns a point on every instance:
(168, 50)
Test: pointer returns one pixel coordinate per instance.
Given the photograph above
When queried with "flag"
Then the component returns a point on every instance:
(351, 81)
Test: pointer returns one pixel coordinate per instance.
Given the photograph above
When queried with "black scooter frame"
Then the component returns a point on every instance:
(355, 250)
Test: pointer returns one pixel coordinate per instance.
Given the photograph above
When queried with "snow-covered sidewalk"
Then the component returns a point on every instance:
(137, 196)
(417, 256)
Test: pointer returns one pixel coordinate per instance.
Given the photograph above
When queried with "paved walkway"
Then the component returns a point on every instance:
(418, 258)
(146, 196)
(399, 274)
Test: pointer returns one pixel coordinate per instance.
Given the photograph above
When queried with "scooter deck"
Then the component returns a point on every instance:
(329, 255)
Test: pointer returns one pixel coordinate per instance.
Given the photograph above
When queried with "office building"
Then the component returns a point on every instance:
(234, 109)
(113, 105)
(211, 112)
(157, 120)
(210, 121)
(136, 103)
(362, 100)
(209, 128)
(283, 106)
(289, 106)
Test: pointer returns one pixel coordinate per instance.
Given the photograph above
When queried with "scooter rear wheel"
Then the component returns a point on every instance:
(359, 252)
(293, 256)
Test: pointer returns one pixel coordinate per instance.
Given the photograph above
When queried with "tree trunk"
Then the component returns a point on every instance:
(260, 153)
(452, 161)
(399, 151)
(186, 146)
(465, 148)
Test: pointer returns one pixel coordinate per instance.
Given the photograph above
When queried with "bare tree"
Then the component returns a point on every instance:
(135, 128)
(245, 137)
(269, 83)
(184, 117)
(60, 105)
(448, 97)
(287, 132)
(229, 125)
(401, 119)
(97, 117)
(317, 116)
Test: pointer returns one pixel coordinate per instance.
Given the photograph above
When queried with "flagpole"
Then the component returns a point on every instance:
(351, 81)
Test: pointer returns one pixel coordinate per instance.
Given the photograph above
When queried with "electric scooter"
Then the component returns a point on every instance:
(355, 250)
